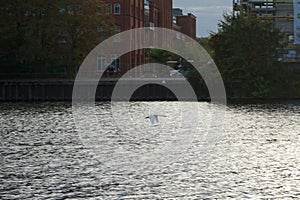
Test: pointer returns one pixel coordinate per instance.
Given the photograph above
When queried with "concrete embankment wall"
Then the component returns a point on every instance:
(36, 90)
(61, 90)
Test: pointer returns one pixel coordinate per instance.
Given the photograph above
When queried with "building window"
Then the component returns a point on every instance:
(63, 39)
(102, 33)
(117, 9)
(118, 29)
(290, 38)
(115, 62)
(109, 8)
(101, 63)
(101, 29)
(117, 36)
(147, 6)
(62, 10)
(291, 54)
(183, 38)
(290, 16)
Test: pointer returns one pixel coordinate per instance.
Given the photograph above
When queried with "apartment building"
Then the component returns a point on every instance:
(283, 14)
(131, 14)
(128, 14)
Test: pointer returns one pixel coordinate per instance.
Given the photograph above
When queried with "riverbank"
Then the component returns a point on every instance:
(62, 90)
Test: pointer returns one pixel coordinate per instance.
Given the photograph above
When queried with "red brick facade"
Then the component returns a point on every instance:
(187, 24)
(165, 15)
(130, 14)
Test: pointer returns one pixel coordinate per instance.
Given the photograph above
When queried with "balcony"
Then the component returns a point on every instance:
(263, 9)
(261, 1)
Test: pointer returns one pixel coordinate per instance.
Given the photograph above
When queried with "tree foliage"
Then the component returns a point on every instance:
(48, 34)
(160, 56)
(244, 50)
(204, 42)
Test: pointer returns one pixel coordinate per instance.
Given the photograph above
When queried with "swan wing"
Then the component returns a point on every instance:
(152, 119)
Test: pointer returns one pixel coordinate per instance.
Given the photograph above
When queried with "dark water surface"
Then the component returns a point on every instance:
(43, 157)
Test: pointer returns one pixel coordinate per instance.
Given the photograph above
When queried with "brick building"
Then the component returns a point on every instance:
(187, 24)
(164, 12)
(130, 14)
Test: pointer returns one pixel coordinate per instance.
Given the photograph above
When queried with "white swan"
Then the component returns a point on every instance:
(154, 118)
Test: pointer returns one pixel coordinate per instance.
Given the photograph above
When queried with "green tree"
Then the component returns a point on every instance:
(204, 42)
(245, 52)
(79, 22)
(160, 56)
(40, 35)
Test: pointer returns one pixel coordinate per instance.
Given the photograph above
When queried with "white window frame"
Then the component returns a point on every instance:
(102, 33)
(118, 36)
(147, 6)
(117, 9)
(113, 59)
(290, 38)
(110, 8)
(101, 63)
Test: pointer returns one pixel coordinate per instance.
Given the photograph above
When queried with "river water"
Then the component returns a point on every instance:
(44, 156)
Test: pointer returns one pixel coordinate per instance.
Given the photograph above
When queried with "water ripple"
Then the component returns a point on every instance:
(42, 156)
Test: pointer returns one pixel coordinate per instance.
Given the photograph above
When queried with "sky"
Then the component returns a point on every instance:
(208, 13)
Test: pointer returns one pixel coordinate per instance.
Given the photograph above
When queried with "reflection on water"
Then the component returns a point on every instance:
(257, 156)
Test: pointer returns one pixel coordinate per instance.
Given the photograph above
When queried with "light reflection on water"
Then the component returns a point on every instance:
(256, 157)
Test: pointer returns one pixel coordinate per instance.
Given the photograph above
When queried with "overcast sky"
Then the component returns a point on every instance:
(208, 13)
